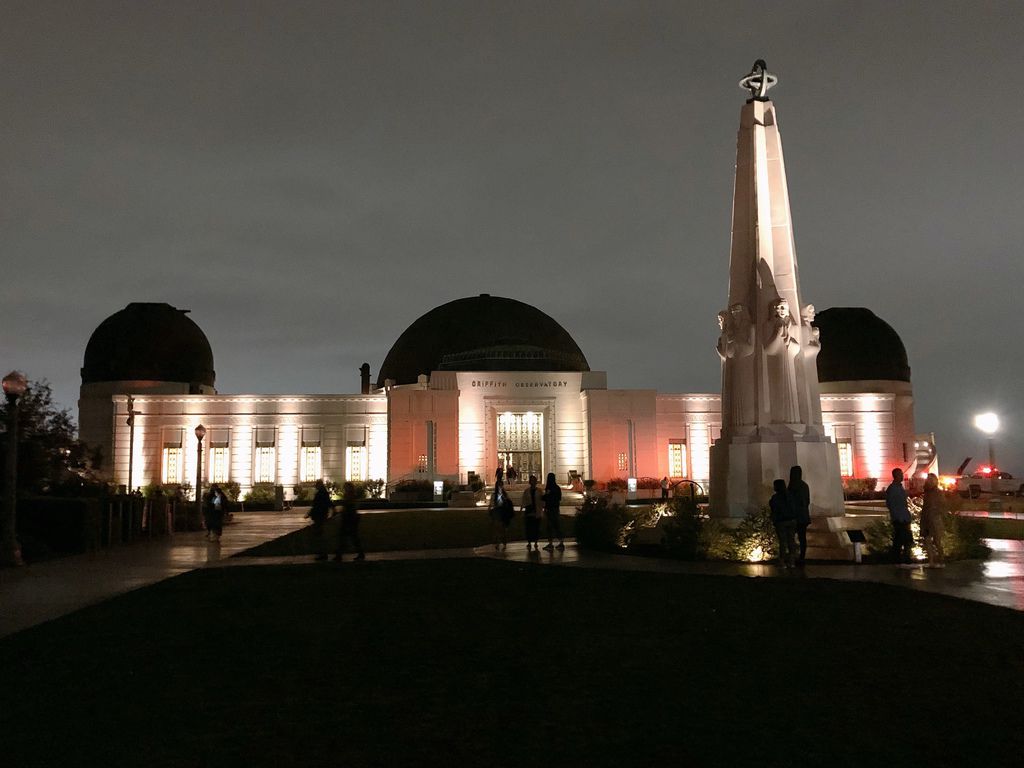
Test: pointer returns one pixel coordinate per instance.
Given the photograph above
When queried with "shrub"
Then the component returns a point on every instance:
(303, 491)
(261, 493)
(600, 525)
(648, 483)
(753, 540)
(616, 484)
(231, 489)
(962, 539)
(859, 487)
(375, 488)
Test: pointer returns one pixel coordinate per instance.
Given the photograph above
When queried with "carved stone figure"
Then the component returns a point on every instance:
(782, 346)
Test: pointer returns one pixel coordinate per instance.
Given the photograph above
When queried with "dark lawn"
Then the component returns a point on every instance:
(476, 662)
(407, 529)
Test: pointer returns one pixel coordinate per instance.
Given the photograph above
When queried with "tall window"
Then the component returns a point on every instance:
(265, 459)
(623, 463)
(421, 463)
(172, 464)
(677, 458)
(219, 466)
(355, 462)
(312, 463)
(845, 458)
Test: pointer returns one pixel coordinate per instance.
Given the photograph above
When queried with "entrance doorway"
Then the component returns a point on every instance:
(521, 444)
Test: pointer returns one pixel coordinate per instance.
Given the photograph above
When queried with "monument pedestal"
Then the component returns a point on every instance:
(743, 469)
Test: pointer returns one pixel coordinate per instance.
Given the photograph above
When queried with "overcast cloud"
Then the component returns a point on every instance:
(309, 179)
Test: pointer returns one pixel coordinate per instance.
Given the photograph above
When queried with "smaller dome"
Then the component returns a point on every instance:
(149, 342)
(858, 345)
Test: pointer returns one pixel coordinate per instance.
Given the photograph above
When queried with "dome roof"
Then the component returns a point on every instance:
(481, 333)
(148, 342)
(857, 345)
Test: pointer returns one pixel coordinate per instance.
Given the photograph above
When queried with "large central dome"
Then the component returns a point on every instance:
(481, 333)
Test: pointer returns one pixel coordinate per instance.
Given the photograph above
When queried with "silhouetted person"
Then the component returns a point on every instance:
(512, 474)
(899, 515)
(800, 498)
(664, 488)
(552, 498)
(499, 474)
(215, 505)
(318, 511)
(784, 520)
(531, 514)
(932, 525)
(500, 511)
(349, 528)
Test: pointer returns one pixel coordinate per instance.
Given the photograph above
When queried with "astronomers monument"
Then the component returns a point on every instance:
(771, 404)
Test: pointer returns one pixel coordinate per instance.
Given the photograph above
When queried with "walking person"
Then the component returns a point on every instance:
(499, 475)
(214, 508)
(800, 498)
(349, 528)
(899, 515)
(531, 515)
(318, 511)
(932, 527)
(552, 498)
(784, 520)
(500, 511)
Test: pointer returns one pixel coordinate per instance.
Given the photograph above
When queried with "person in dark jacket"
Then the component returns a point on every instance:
(552, 498)
(800, 498)
(214, 508)
(318, 512)
(531, 514)
(933, 507)
(784, 520)
(349, 528)
(500, 511)
(899, 515)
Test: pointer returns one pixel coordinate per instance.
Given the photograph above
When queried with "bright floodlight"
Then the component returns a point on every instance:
(987, 423)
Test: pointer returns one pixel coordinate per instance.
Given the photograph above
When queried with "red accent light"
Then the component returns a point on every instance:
(986, 470)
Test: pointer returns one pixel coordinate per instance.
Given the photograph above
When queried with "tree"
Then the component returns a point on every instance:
(50, 458)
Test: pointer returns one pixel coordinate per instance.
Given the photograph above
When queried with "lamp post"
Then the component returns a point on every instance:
(200, 434)
(988, 423)
(14, 384)
(130, 421)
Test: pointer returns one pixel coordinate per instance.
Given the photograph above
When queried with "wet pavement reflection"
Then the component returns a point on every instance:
(43, 591)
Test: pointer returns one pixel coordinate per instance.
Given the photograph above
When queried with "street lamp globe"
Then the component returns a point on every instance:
(200, 432)
(15, 384)
(987, 423)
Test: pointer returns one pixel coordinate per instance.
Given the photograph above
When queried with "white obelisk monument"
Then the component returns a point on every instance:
(771, 407)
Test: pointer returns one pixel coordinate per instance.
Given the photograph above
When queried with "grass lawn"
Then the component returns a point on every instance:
(407, 529)
(479, 662)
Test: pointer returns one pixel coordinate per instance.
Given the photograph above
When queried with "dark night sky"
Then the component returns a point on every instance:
(310, 179)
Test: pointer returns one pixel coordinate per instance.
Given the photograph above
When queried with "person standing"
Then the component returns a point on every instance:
(784, 520)
(932, 526)
(214, 507)
(499, 475)
(664, 488)
(500, 512)
(318, 511)
(531, 515)
(800, 498)
(349, 528)
(899, 515)
(552, 498)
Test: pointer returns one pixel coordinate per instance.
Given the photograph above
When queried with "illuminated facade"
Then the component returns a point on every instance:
(443, 423)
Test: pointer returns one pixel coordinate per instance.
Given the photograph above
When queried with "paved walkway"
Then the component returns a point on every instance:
(44, 591)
